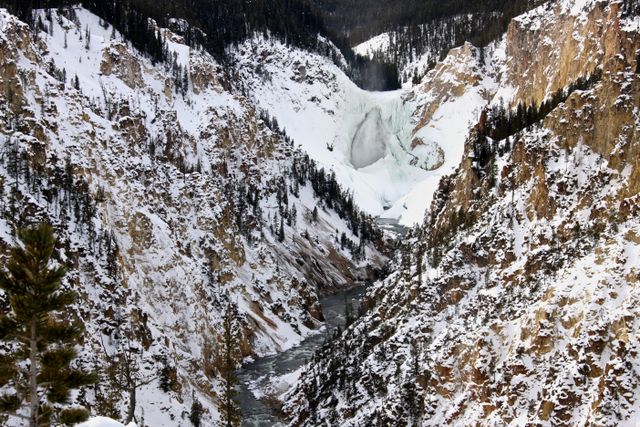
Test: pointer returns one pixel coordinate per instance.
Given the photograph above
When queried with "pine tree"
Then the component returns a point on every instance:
(195, 416)
(419, 261)
(87, 38)
(230, 411)
(42, 340)
(294, 215)
(281, 231)
(125, 373)
(165, 375)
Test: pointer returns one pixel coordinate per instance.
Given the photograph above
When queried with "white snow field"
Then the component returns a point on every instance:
(103, 422)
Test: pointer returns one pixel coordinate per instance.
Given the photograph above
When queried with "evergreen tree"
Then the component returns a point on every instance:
(281, 231)
(126, 375)
(294, 215)
(230, 346)
(42, 340)
(165, 376)
(419, 261)
(195, 416)
(413, 398)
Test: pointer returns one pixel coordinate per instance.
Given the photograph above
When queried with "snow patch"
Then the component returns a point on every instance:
(103, 422)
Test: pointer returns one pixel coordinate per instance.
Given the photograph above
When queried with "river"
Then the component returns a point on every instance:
(256, 413)
(391, 228)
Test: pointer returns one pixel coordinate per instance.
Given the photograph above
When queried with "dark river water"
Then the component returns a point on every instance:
(391, 228)
(256, 413)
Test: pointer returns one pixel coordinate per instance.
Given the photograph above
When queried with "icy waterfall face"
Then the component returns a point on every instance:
(370, 141)
(375, 142)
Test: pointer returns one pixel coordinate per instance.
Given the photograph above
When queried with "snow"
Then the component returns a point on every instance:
(361, 136)
(169, 225)
(536, 18)
(367, 138)
(577, 7)
(633, 421)
(631, 24)
(377, 44)
(103, 422)
(531, 320)
(370, 141)
(276, 386)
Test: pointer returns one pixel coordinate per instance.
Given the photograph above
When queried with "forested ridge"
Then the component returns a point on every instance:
(217, 24)
(416, 27)
(360, 20)
(223, 21)
(419, 27)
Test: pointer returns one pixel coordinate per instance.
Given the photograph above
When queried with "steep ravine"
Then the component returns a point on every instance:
(260, 373)
(516, 301)
(264, 380)
(169, 204)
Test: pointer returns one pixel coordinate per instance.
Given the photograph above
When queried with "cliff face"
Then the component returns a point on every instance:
(516, 303)
(451, 79)
(173, 198)
(571, 39)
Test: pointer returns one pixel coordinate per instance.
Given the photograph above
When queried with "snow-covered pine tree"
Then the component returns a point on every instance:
(38, 370)
(195, 416)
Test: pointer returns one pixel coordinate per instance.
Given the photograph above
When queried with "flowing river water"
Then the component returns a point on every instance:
(257, 413)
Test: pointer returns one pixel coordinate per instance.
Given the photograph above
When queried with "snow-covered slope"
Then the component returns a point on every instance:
(173, 199)
(374, 46)
(446, 105)
(104, 422)
(416, 49)
(517, 301)
(368, 139)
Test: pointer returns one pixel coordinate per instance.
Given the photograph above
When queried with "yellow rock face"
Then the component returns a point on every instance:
(118, 61)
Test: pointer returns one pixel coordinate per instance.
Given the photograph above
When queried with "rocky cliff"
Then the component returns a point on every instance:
(173, 199)
(516, 302)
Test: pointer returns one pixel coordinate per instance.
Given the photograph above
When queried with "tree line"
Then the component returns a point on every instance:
(504, 123)
(419, 27)
(359, 20)
(500, 123)
(215, 25)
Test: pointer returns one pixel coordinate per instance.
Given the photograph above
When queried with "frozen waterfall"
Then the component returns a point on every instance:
(370, 141)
